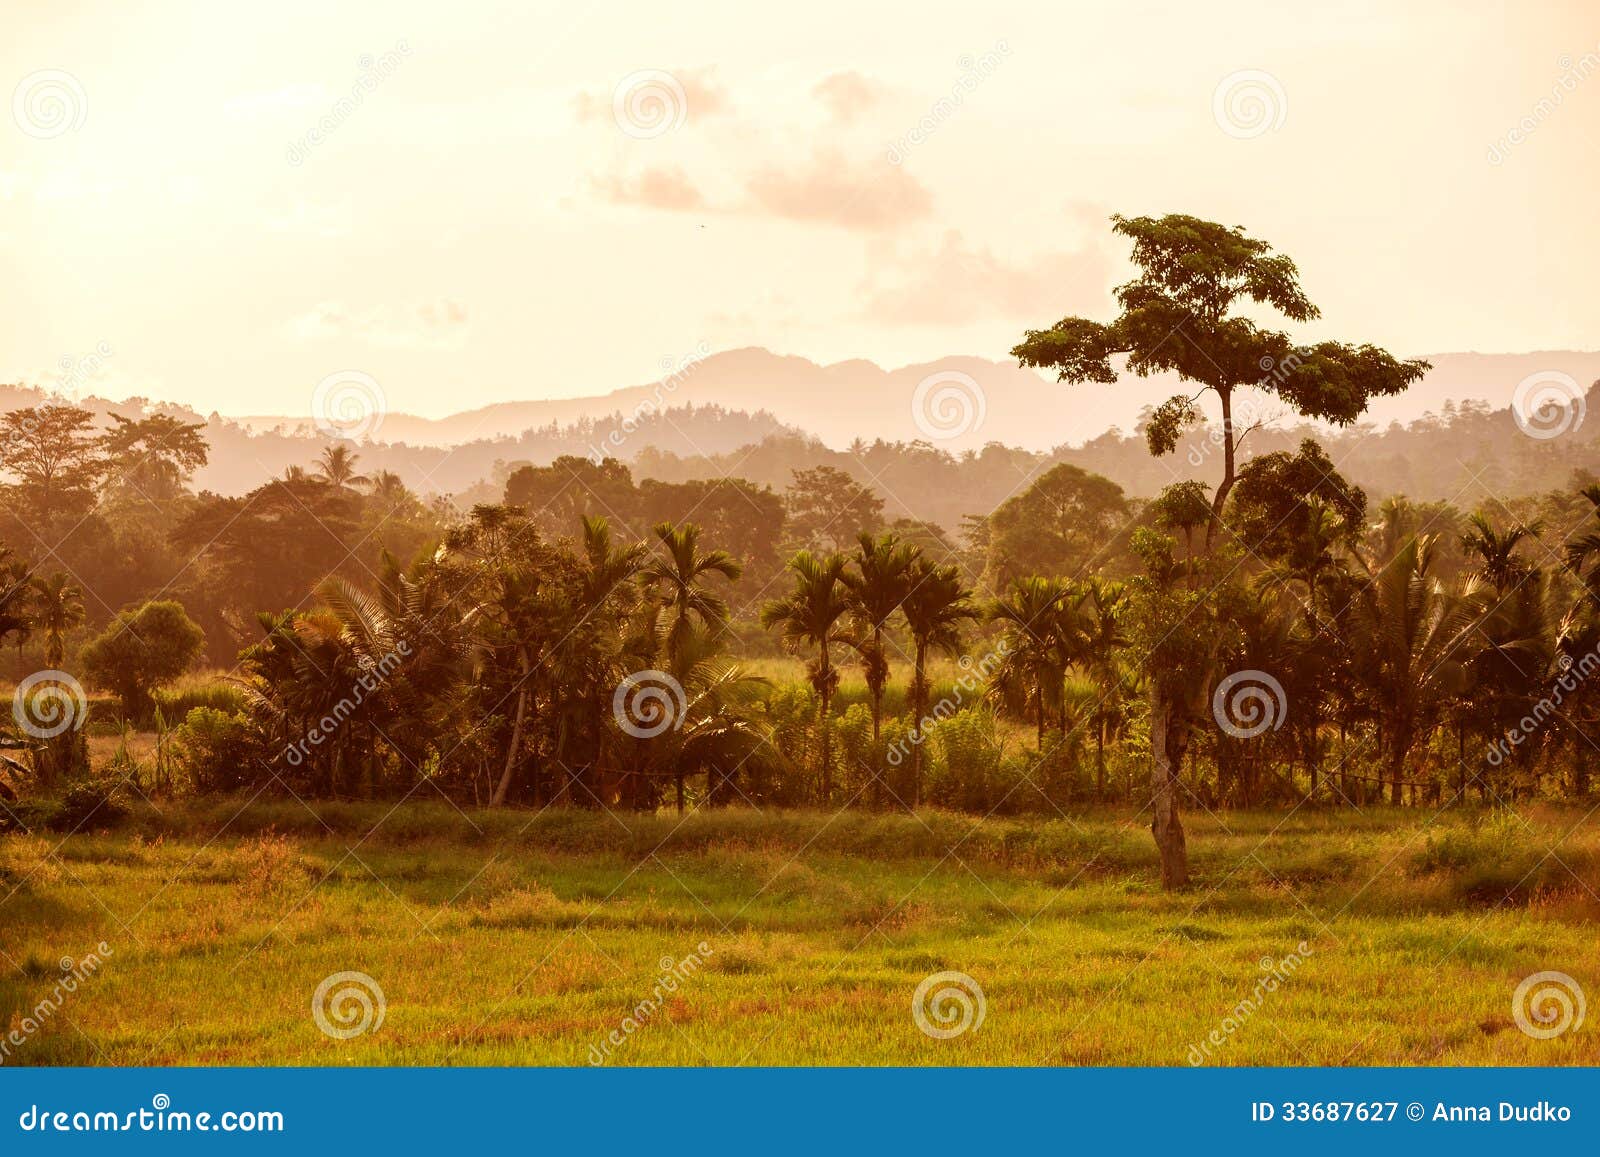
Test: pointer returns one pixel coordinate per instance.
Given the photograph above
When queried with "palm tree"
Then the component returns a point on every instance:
(390, 491)
(1105, 606)
(1583, 550)
(680, 577)
(16, 593)
(1496, 551)
(1036, 646)
(337, 467)
(720, 726)
(935, 608)
(59, 606)
(1410, 630)
(807, 617)
(877, 587)
(497, 557)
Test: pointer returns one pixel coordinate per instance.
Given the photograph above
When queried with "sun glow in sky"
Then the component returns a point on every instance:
(835, 180)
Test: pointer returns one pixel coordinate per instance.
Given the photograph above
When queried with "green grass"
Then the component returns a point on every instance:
(514, 938)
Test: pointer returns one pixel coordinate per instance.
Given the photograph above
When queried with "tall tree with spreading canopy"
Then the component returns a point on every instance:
(1178, 316)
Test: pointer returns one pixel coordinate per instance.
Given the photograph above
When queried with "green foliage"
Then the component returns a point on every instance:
(177, 702)
(90, 802)
(1065, 523)
(141, 650)
(217, 750)
(1280, 496)
(965, 773)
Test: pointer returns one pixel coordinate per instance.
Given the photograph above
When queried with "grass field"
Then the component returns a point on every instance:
(514, 938)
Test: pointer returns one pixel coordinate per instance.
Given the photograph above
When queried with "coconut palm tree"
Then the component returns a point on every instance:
(809, 617)
(680, 579)
(58, 604)
(1496, 551)
(337, 467)
(935, 607)
(719, 727)
(16, 595)
(1583, 551)
(1036, 654)
(1411, 631)
(878, 585)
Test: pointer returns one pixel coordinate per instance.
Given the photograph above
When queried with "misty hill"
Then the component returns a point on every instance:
(1465, 452)
(242, 459)
(858, 399)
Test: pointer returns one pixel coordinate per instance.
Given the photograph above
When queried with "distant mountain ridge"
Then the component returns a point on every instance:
(842, 401)
(814, 411)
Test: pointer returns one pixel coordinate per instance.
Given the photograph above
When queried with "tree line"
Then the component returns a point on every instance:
(595, 640)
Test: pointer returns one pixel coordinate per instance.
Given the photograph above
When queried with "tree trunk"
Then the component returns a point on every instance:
(877, 724)
(826, 693)
(1220, 501)
(917, 697)
(1397, 766)
(1344, 775)
(503, 788)
(1100, 758)
(1168, 740)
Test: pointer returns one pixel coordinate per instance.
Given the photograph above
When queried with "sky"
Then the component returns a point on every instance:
(226, 205)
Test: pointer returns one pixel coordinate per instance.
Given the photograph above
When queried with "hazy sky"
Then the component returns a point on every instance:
(491, 221)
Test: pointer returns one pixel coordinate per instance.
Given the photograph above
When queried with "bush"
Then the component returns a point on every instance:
(218, 750)
(965, 774)
(142, 650)
(91, 802)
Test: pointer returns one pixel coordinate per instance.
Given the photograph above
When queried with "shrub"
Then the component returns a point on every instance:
(217, 750)
(966, 771)
(89, 802)
(142, 650)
